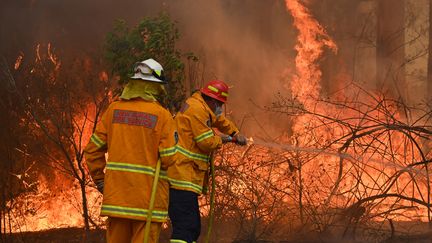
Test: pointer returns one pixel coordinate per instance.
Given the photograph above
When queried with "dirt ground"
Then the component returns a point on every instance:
(68, 235)
(75, 235)
(63, 235)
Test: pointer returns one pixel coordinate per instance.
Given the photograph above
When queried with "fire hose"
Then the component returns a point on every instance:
(152, 200)
(212, 194)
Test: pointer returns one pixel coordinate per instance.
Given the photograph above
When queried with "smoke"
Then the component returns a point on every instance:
(249, 44)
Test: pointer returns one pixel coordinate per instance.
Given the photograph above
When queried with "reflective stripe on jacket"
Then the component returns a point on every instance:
(135, 134)
(196, 141)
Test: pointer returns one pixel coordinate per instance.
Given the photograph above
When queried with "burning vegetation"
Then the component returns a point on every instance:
(335, 155)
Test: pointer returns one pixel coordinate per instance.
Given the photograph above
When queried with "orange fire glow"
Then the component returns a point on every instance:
(312, 40)
(58, 205)
(18, 61)
(391, 151)
(55, 201)
(52, 57)
(51, 205)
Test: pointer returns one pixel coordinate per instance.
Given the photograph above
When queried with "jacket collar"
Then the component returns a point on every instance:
(198, 96)
(145, 90)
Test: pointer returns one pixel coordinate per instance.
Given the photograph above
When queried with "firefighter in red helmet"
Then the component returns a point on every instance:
(196, 140)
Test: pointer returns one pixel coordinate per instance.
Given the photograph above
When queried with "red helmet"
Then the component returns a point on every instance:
(216, 89)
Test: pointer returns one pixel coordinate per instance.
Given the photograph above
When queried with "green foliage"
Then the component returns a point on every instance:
(151, 38)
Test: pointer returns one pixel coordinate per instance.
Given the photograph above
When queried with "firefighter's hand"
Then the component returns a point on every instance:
(100, 186)
(240, 139)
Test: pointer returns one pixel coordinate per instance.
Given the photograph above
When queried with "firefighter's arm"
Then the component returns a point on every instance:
(225, 126)
(168, 141)
(204, 136)
(95, 151)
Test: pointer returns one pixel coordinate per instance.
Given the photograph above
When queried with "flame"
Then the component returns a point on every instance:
(309, 129)
(51, 204)
(55, 203)
(18, 61)
(41, 56)
(52, 57)
(312, 40)
(103, 76)
(38, 56)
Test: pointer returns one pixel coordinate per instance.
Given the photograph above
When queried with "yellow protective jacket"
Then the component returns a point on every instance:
(135, 133)
(196, 141)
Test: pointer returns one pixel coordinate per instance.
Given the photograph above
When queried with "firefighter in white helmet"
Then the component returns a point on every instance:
(136, 132)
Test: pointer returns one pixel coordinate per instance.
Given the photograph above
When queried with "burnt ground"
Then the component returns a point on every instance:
(63, 235)
(57, 235)
(72, 235)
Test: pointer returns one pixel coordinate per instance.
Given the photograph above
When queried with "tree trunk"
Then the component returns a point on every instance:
(429, 74)
(338, 69)
(85, 208)
(300, 181)
(390, 48)
(429, 101)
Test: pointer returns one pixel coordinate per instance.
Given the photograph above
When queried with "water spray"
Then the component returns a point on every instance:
(287, 147)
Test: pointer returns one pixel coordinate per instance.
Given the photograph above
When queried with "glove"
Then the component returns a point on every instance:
(226, 138)
(240, 139)
(100, 186)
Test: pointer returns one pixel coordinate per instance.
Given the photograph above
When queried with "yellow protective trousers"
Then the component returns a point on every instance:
(121, 230)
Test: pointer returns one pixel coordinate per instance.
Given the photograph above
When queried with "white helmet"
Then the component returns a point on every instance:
(149, 70)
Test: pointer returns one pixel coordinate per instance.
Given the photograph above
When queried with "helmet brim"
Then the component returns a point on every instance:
(150, 78)
(213, 96)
